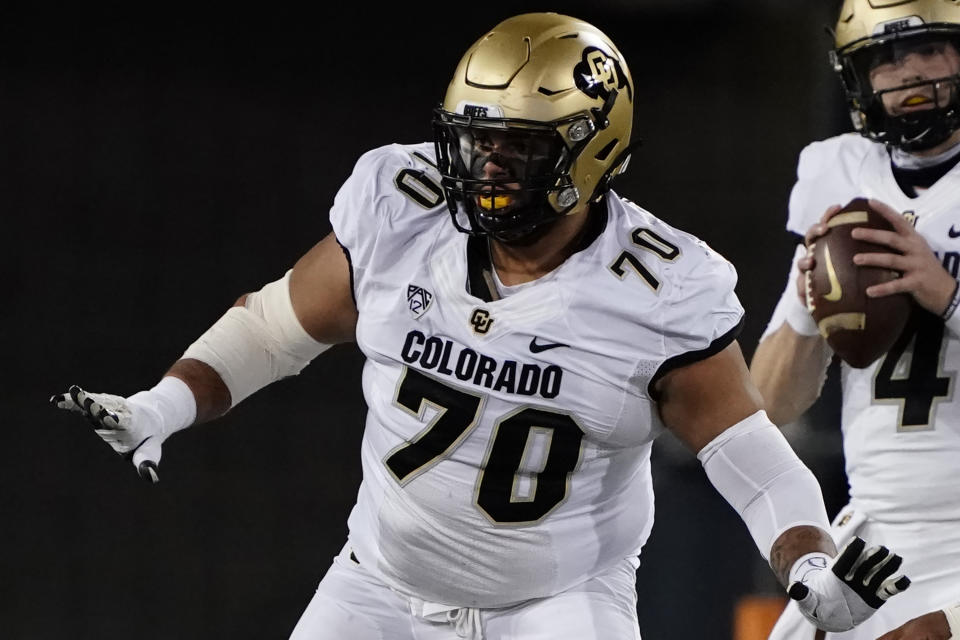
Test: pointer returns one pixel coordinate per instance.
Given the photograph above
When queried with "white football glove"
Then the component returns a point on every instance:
(839, 593)
(134, 427)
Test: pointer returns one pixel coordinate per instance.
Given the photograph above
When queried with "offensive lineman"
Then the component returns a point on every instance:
(900, 66)
(517, 373)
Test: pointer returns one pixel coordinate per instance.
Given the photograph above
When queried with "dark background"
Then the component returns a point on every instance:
(157, 163)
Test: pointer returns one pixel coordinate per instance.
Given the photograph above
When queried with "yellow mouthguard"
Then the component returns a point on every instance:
(915, 100)
(499, 202)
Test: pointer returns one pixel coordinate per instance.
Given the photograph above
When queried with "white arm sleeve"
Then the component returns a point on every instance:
(258, 343)
(753, 467)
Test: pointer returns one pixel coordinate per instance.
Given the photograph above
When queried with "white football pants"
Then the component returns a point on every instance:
(351, 604)
(931, 559)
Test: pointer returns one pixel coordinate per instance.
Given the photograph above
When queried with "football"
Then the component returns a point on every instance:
(858, 328)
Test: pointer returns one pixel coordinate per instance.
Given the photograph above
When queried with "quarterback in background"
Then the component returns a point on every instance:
(899, 63)
(527, 333)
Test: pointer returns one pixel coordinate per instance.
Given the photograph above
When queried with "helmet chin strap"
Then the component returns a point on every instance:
(525, 236)
(920, 134)
(596, 219)
(904, 159)
(514, 235)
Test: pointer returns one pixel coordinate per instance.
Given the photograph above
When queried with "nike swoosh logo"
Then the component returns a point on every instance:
(537, 348)
(835, 291)
(953, 233)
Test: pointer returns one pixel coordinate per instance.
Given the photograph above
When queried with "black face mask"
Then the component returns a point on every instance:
(914, 130)
(499, 176)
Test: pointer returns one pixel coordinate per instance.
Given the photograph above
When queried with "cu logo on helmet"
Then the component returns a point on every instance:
(602, 69)
(481, 321)
(598, 73)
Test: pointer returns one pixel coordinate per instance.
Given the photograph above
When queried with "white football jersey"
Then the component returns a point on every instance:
(506, 454)
(901, 422)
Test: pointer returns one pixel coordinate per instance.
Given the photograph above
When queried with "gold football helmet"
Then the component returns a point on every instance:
(533, 126)
(874, 32)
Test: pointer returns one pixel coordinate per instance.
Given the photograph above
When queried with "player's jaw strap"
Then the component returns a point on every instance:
(753, 467)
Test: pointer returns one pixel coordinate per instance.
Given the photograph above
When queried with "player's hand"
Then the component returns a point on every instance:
(929, 626)
(131, 428)
(923, 276)
(840, 594)
(807, 262)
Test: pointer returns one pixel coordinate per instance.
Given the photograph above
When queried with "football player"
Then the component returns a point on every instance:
(899, 63)
(527, 334)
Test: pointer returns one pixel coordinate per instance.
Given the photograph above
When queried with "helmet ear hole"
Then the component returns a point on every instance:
(603, 153)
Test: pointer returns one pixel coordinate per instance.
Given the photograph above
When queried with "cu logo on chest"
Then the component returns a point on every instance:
(481, 321)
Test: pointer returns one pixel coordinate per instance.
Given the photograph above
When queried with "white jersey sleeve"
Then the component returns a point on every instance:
(371, 203)
(701, 313)
(355, 220)
(827, 174)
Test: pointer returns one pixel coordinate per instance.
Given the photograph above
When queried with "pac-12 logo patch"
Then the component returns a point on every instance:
(418, 300)
(598, 73)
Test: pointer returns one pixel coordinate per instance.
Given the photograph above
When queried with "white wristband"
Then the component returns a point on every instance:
(953, 619)
(791, 309)
(172, 404)
(799, 317)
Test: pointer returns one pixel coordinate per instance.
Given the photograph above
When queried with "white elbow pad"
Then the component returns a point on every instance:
(754, 468)
(258, 343)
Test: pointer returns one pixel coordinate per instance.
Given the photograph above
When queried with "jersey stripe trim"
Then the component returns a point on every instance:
(690, 357)
(353, 288)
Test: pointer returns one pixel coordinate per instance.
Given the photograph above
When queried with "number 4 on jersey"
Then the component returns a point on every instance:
(911, 376)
